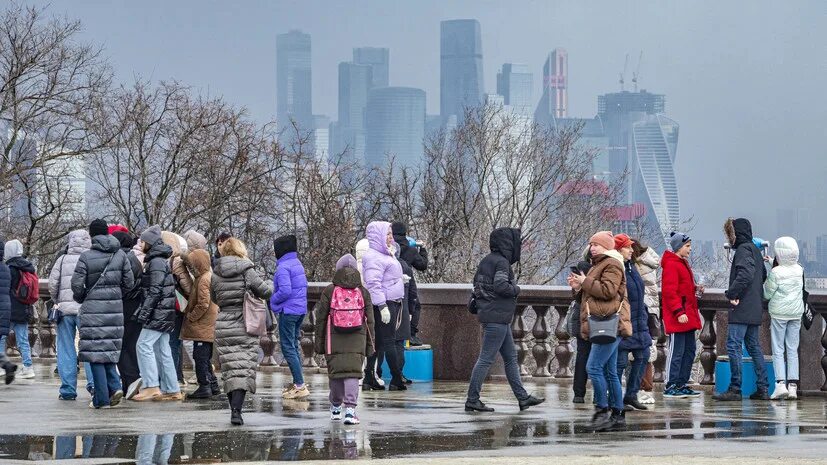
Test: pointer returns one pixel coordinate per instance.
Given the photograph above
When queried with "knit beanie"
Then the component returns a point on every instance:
(604, 239)
(98, 227)
(347, 261)
(678, 240)
(621, 241)
(151, 235)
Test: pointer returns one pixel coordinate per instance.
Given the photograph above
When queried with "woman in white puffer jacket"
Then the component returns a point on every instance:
(784, 289)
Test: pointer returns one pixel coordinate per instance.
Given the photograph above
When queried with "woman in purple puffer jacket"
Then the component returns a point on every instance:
(289, 303)
(382, 274)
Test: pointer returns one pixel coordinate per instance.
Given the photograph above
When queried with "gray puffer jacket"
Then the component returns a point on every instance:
(60, 279)
(237, 350)
(100, 294)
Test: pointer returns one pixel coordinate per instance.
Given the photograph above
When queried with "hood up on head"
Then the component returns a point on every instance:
(347, 261)
(377, 233)
(79, 241)
(105, 243)
(2, 249)
(174, 241)
(786, 251)
(361, 247)
(195, 240)
(506, 242)
(285, 245)
(126, 239)
(13, 249)
(743, 231)
(199, 262)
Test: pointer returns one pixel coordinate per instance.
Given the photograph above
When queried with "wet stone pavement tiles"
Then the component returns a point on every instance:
(426, 421)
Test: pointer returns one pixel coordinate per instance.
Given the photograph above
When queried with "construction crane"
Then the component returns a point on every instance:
(636, 74)
(623, 74)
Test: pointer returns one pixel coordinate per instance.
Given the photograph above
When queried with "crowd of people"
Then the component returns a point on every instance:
(127, 307)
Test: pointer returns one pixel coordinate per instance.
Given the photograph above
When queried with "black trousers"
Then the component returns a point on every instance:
(584, 347)
(175, 345)
(400, 357)
(236, 398)
(415, 311)
(202, 355)
(128, 362)
(386, 344)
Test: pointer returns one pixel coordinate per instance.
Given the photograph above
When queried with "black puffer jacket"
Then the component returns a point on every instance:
(20, 312)
(5, 295)
(746, 277)
(417, 257)
(409, 302)
(157, 311)
(494, 285)
(100, 294)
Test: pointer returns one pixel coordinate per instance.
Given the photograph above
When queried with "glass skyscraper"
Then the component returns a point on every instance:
(395, 125)
(355, 81)
(461, 81)
(555, 100)
(514, 83)
(293, 80)
(378, 59)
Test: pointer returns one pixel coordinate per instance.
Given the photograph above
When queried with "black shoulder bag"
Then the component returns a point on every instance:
(808, 317)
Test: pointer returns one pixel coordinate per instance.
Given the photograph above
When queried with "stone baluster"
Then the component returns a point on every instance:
(519, 333)
(563, 350)
(541, 349)
(308, 337)
(708, 355)
(47, 339)
(660, 363)
(824, 356)
(268, 345)
(11, 344)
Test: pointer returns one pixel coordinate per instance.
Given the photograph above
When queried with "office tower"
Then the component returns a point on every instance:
(793, 222)
(461, 80)
(293, 80)
(395, 125)
(514, 83)
(355, 81)
(555, 100)
(321, 136)
(378, 59)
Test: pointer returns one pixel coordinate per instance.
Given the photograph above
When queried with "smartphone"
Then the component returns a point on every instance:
(575, 270)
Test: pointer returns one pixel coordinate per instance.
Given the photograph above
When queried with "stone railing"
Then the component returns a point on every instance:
(455, 336)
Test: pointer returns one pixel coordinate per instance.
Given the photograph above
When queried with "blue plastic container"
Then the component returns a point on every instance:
(419, 364)
(723, 375)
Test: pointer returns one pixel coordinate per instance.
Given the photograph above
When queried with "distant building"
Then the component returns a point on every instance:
(554, 102)
(461, 73)
(395, 125)
(821, 252)
(379, 61)
(793, 222)
(293, 80)
(593, 137)
(355, 81)
(321, 136)
(515, 83)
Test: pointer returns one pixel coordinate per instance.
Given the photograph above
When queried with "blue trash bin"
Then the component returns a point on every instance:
(723, 375)
(419, 364)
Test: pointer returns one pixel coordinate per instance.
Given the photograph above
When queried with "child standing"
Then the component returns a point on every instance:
(784, 289)
(344, 334)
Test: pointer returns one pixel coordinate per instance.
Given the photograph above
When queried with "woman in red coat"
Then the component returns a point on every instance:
(680, 315)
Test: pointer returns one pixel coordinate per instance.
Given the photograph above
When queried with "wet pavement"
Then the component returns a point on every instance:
(426, 421)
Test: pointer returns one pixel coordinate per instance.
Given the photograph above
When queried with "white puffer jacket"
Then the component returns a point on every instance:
(647, 265)
(783, 287)
(60, 279)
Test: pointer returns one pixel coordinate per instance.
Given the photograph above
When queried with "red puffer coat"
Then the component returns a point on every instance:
(678, 295)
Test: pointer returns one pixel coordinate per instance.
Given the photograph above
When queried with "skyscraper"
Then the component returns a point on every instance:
(293, 80)
(395, 125)
(378, 59)
(355, 81)
(793, 222)
(460, 82)
(514, 83)
(555, 100)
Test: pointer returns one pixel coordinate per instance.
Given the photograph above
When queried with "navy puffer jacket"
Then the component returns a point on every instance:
(5, 295)
(636, 292)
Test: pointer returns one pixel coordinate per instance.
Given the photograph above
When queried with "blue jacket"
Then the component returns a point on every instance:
(636, 292)
(289, 286)
(5, 295)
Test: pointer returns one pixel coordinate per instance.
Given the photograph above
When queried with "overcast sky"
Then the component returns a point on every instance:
(745, 79)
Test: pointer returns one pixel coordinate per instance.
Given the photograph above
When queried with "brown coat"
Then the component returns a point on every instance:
(201, 312)
(604, 292)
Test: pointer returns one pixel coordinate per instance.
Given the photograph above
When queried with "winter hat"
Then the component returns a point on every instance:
(151, 235)
(284, 245)
(399, 228)
(126, 239)
(98, 227)
(347, 261)
(621, 241)
(117, 227)
(677, 240)
(604, 239)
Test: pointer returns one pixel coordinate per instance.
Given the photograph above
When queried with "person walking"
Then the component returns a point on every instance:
(344, 335)
(647, 262)
(495, 296)
(745, 294)
(640, 342)
(128, 362)
(414, 254)
(156, 316)
(22, 275)
(233, 277)
(784, 290)
(60, 288)
(199, 324)
(681, 317)
(102, 276)
(602, 294)
(289, 304)
(9, 368)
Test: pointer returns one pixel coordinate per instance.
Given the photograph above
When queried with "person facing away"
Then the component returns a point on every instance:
(495, 292)
(101, 278)
(647, 262)
(159, 381)
(344, 335)
(416, 256)
(199, 324)
(784, 289)
(21, 312)
(128, 363)
(60, 288)
(8, 367)
(745, 294)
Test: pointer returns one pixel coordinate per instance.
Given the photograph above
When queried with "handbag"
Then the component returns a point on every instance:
(807, 317)
(255, 313)
(603, 330)
(472, 303)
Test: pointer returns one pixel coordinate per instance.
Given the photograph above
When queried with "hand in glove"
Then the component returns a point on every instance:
(385, 314)
(406, 279)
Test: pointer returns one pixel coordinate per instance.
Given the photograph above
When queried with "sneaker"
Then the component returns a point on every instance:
(601, 420)
(115, 398)
(350, 416)
(27, 373)
(579, 400)
(760, 394)
(134, 388)
(792, 392)
(673, 393)
(780, 392)
(406, 380)
(617, 421)
(297, 393)
(645, 398)
(192, 379)
(728, 396)
(335, 412)
(687, 392)
(66, 397)
(633, 404)
(92, 406)
(415, 341)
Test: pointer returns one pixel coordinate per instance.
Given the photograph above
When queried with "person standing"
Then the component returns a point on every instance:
(584, 347)
(101, 278)
(183, 281)
(640, 342)
(785, 291)
(233, 277)
(21, 312)
(156, 316)
(344, 341)
(289, 304)
(416, 255)
(8, 367)
(495, 296)
(199, 324)
(602, 294)
(745, 294)
(647, 262)
(681, 317)
(128, 363)
(60, 288)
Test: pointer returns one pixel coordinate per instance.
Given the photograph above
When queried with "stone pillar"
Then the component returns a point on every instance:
(268, 345)
(708, 338)
(542, 349)
(824, 354)
(519, 333)
(11, 344)
(563, 350)
(47, 339)
(308, 338)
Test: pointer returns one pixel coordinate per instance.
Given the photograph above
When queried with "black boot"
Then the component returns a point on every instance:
(406, 380)
(203, 392)
(214, 388)
(10, 368)
(397, 386)
(530, 401)
(633, 404)
(477, 406)
(729, 395)
(618, 420)
(760, 394)
(235, 417)
(601, 420)
(370, 384)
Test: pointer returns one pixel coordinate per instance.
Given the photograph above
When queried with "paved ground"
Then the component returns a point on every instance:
(426, 423)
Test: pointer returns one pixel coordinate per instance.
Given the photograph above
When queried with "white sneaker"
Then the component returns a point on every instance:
(645, 398)
(133, 388)
(780, 392)
(336, 412)
(26, 373)
(350, 416)
(792, 393)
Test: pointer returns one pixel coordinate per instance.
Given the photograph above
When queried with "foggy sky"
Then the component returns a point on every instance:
(744, 79)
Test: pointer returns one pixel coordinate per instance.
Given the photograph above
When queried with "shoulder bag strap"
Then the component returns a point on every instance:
(103, 273)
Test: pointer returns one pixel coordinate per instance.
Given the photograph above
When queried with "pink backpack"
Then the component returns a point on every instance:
(347, 310)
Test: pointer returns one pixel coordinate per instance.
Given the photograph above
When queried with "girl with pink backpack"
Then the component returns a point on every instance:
(344, 335)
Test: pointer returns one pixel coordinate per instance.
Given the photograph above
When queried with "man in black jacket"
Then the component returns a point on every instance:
(745, 293)
(417, 257)
(5, 315)
(495, 292)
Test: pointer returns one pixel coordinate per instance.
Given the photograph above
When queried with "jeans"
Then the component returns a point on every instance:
(21, 333)
(580, 375)
(154, 449)
(738, 335)
(345, 391)
(153, 354)
(496, 337)
(290, 331)
(602, 369)
(175, 345)
(104, 375)
(640, 357)
(679, 359)
(67, 358)
(785, 333)
(202, 353)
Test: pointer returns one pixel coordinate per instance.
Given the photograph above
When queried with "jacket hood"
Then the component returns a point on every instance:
(195, 240)
(616, 255)
(284, 245)
(231, 266)
(400, 233)
(106, 243)
(738, 231)
(199, 262)
(669, 256)
(377, 233)
(786, 251)
(361, 247)
(506, 242)
(2, 250)
(79, 241)
(159, 249)
(13, 249)
(649, 258)
(348, 278)
(126, 239)
(176, 242)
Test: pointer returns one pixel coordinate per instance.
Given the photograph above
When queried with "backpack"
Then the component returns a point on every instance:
(28, 288)
(347, 310)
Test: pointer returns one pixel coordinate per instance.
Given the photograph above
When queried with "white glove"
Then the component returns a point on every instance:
(406, 279)
(385, 314)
